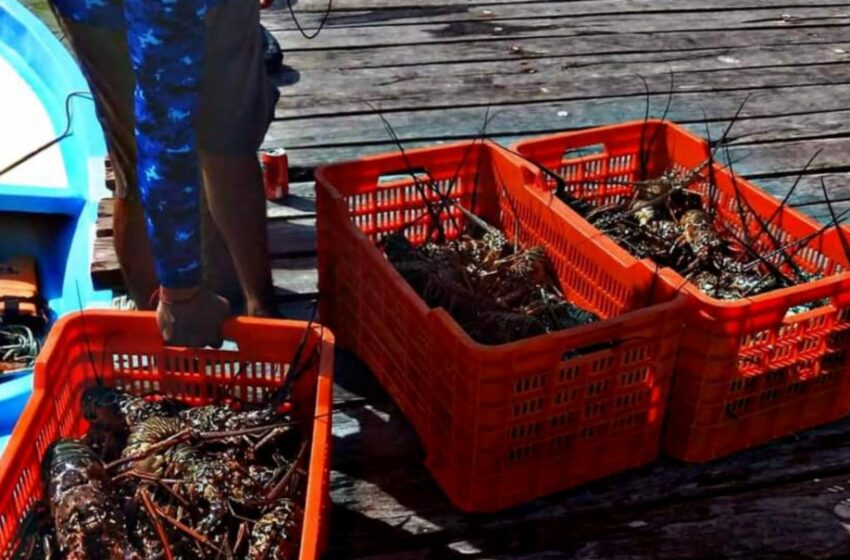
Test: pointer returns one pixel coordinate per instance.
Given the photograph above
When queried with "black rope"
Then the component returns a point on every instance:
(322, 23)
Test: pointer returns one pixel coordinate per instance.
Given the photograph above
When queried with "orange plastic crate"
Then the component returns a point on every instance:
(127, 350)
(747, 372)
(500, 424)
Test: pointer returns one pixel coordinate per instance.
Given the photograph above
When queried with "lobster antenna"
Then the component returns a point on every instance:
(435, 216)
(669, 97)
(479, 137)
(792, 189)
(296, 358)
(763, 226)
(97, 375)
(844, 245)
(645, 155)
(482, 137)
(803, 241)
(770, 266)
(642, 160)
(740, 207)
(510, 200)
(445, 199)
(818, 202)
(295, 365)
(724, 138)
(712, 181)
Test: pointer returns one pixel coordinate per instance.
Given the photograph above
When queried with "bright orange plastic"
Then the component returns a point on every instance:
(19, 296)
(127, 350)
(748, 371)
(500, 424)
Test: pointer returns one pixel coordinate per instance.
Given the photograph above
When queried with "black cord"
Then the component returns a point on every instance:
(65, 134)
(98, 375)
(321, 23)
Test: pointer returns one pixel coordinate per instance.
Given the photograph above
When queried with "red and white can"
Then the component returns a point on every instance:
(275, 164)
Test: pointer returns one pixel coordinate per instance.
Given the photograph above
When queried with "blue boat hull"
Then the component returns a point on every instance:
(56, 225)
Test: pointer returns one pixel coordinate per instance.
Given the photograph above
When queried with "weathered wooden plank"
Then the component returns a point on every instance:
(787, 158)
(301, 203)
(540, 118)
(442, 8)
(388, 90)
(578, 50)
(292, 238)
(363, 16)
(799, 521)
(105, 271)
(754, 131)
(458, 32)
(295, 279)
(103, 225)
(808, 196)
(765, 160)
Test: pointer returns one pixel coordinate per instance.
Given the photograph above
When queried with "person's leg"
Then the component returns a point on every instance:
(236, 105)
(237, 203)
(134, 252)
(104, 57)
(219, 273)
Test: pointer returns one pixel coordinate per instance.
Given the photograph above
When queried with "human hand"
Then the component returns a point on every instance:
(191, 317)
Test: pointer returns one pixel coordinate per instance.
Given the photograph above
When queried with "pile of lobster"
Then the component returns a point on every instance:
(156, 479)
(677, 226)
(496, 291)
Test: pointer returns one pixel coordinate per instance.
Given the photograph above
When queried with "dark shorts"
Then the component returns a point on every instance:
(237, 99)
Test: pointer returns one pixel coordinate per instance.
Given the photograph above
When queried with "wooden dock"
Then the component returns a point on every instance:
(433, 68)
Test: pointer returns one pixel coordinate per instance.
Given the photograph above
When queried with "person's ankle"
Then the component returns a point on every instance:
(259, 309)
